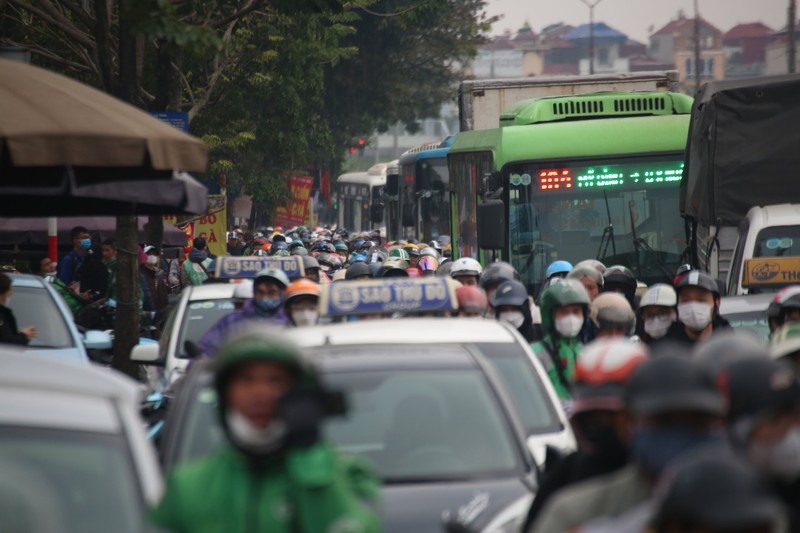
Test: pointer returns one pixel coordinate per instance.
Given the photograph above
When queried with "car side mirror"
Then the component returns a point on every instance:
(95, 339)
(192, 350)
(146, 354)
(491, 225)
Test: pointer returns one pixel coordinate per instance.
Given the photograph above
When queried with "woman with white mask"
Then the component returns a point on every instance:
(565, 311)
(657, 312)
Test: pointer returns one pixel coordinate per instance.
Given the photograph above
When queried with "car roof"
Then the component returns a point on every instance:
(33, 372)
(27, 280)
(212, 291)
(745, 303)
(405, 331)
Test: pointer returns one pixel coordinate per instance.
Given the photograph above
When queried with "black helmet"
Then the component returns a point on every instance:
(496, 273)
(787, 298)
(695, 278)
(671, 382)
(510, 292)
(713, 489)
(728, 347)
(278, 246)
(618, 278)
(357, 270)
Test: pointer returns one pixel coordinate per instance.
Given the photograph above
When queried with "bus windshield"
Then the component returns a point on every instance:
(620, 211)
(434, 200)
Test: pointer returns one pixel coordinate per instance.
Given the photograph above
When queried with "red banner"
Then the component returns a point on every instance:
(294, 214)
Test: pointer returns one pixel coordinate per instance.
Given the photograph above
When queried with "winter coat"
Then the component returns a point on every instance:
(308, 490)
(195, 270)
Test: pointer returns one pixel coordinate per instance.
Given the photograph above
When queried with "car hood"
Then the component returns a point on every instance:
(418, 507)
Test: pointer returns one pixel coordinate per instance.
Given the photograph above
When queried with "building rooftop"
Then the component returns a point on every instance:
(601, 31)
(751, 29)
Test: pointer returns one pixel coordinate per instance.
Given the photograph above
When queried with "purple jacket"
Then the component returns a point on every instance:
(229, 324)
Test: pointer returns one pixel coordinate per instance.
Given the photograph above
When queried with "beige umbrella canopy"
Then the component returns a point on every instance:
(60, 136)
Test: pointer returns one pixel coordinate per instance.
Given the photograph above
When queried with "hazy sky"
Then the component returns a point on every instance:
(634, 17)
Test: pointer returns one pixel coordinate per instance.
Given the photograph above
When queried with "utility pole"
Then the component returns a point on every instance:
(591, 4)
(791, 44)
(697, 69)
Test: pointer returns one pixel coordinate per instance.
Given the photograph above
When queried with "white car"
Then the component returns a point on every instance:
(526, 382)
(73, 450)
(198, 308)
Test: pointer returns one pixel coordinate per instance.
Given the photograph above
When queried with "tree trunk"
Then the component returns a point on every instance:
(126, 326)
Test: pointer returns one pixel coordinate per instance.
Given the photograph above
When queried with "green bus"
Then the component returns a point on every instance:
(591, 176)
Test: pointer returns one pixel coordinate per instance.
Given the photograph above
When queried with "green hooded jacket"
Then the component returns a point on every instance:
(568, 351)
(304, 490)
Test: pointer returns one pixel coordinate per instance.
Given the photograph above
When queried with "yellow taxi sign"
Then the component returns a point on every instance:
(771, 271)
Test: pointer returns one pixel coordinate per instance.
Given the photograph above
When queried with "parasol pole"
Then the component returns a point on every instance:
(52, 238)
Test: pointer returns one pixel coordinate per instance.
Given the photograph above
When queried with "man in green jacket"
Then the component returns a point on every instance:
(275, 475)
(565, 306)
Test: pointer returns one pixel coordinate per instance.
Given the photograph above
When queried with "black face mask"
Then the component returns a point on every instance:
(605, 443)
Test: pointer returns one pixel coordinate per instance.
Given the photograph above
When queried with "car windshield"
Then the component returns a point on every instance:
(67, 481)
(200, 316)
(524, 386)
(411, 425)
(36, 307)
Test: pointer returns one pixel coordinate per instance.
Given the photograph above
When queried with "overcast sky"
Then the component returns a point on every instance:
(634, 17)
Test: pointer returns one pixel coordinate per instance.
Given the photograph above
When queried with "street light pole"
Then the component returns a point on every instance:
(591, 4)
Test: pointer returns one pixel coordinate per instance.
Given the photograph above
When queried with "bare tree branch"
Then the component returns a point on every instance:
(251, 6)
(64, 25)
(219, 68)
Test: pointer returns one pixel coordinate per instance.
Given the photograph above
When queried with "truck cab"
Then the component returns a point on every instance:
(771, 231)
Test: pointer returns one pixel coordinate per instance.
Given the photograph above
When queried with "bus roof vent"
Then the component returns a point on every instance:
(596, 105)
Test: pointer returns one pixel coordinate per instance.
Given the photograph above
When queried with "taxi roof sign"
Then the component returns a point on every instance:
(388, 295)
(247, 267)
(771, 271)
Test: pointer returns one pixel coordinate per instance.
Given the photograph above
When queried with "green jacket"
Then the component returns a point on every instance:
(568, 351)
(312, 490)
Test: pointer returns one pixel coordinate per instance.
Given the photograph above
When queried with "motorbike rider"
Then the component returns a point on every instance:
(302, 302)
(269, 287)
(565, 312)
(275, 473)
(618, 278)
(590, 277)
(784, 307)
(467, 271)
(698, 309)
(612, 316)
(510, 305)
(657, 311)
(472, 302)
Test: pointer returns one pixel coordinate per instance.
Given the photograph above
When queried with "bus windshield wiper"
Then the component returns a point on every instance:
(608, 230)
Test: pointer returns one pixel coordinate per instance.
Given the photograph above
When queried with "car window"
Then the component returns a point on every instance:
(200, 316)
(427, 424)
(524, 385)
(410, 425)
(36, 307)
(67, 481)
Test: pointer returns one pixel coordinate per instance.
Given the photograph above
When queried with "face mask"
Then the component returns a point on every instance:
(268, 304)
(515, 318)
(253, 439)
(657, 326)
(85, 244)
(695, 315)
(305, 317)
(569, 326)
(655, 448)
(780, 460)
(152, 260)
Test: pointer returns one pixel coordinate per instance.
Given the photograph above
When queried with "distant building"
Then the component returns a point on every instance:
(745, 47)
(498, 59)
(609, 46)
(561, 56)
(776, 53)
(676, 41)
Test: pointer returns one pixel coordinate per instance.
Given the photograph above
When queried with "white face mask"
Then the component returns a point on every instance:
(695, 315)
(305, 317)
(569, 326)
(780, 460)
(515, 318)
(152, 260)
(254, 439)
(657, 326)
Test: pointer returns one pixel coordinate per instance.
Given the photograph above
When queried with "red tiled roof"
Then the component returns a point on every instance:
(676, 26)
(752, 29)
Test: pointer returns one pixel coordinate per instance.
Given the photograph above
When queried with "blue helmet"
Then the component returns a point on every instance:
(558, 267)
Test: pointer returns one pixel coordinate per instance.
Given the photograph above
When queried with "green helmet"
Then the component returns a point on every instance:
(560, 293)
(399, 252)
(785, 340)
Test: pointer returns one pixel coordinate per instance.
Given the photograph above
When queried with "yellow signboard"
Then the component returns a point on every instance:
(771, 271)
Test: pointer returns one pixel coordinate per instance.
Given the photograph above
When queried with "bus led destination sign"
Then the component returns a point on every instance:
(629, 175)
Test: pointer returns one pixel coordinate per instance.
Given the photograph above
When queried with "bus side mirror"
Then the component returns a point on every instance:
(392, 185)
(376, 213)
(491, 225)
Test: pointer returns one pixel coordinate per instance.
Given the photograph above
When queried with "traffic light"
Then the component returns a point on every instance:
(361, 144)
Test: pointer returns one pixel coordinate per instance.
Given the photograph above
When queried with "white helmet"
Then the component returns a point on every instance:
(659, 294)
(466, 266)
(243, 290)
